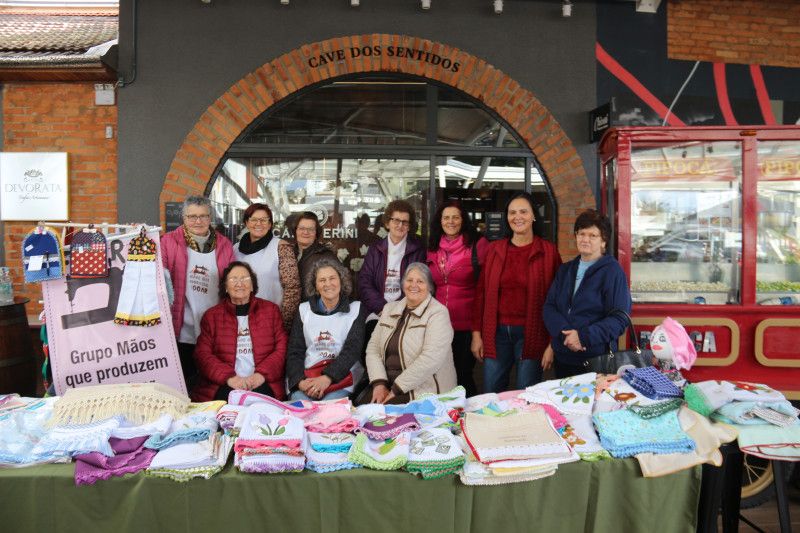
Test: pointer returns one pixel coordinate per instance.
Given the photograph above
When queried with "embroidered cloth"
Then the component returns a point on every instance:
(434, 453)
(75, 439)
(331, 442)
(388, 454)
(194, 427)
(138, 296)
(624, 434)
(23, 423)
(518, 436)
(130, 456)
(572, 395)
(389, 426)
(323, 462)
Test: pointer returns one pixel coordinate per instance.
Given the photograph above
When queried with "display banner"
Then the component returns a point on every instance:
(34, 186)
(88, 348)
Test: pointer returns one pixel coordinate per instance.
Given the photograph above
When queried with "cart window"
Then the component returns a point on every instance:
(778, 243)
(686, 229)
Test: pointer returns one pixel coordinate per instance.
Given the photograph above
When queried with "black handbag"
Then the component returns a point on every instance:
(611, 362)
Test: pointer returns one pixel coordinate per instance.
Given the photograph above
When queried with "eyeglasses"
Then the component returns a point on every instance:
(400, 222)
(311, 229)
(591, 236)
(197, 218)
(259, 221)
(239, 281)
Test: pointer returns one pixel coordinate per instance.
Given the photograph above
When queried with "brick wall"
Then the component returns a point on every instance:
(61, 117)
(204, 146)
(757, 32)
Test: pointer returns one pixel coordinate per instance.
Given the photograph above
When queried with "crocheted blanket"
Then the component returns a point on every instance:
(624, 434)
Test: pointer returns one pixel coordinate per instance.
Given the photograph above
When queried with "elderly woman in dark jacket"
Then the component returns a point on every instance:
(324, 356)
(584, 291)
(307, 233)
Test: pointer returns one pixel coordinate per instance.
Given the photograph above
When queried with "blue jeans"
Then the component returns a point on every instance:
(509, 341)
(335, 395)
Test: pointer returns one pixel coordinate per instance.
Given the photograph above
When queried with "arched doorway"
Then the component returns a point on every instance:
(541, 142)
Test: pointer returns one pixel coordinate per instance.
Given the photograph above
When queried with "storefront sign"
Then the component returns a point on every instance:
(712, 169)
(599, 121)
(34, 186)
(377, 50)
(88, 348)
(779, 167)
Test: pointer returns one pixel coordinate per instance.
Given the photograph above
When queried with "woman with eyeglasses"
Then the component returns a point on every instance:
(507, 326)
(307, 232)
(273, 261)
(581, 297)
(386, 260)
(194, 255)
(242, 343)
(455, 254)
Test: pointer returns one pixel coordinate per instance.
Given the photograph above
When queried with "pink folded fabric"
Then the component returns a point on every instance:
(130, 456)
(331, 418)
(241, 444)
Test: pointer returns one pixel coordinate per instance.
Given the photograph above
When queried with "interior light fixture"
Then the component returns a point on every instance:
(426, 4)
(285, 2)
(498, 6)
(355, 3)
(566, 9)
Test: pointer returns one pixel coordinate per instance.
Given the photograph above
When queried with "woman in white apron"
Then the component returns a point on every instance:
(273, 261)
(323, 359)
(195, 256)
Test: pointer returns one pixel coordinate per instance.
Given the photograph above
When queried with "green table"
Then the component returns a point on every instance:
(604, 496)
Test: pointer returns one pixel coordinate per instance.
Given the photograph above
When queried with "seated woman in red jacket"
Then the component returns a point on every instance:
(242, 343)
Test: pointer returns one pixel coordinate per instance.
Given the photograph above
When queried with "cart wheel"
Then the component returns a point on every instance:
(757, 477)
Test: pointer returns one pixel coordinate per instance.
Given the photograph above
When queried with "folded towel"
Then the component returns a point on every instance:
(388, 454)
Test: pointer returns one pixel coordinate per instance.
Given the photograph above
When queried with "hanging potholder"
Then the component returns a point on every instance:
(42, 255)
(88, 256)
(138, 296)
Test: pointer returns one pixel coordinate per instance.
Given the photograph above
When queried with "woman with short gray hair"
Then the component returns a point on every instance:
(410, 351)
(323, 359)
(195, 256)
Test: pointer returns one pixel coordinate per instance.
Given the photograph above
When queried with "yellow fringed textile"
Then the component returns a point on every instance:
(139, 403)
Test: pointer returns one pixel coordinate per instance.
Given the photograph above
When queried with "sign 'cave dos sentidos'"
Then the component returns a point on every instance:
(378, 50)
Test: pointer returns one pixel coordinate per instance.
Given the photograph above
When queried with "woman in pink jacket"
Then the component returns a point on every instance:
(455, 253)
(195, 256)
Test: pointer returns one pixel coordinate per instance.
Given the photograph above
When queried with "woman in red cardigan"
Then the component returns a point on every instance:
(507, 325)
(242, 343)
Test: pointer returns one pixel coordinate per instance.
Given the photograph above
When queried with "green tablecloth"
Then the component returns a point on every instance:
(604, 496)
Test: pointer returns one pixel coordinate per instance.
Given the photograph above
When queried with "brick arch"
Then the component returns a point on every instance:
(225, 119)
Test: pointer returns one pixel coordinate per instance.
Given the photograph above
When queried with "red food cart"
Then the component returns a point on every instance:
(707, 229)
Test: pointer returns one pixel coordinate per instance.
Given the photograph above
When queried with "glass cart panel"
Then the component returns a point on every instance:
(778, 244)
(686, 222)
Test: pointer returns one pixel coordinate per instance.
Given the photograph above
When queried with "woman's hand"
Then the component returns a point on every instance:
(255, 381)
(388, 398)
(317, 386)
(547, 358)
(379, 393)
(237, 382)
(477, 346)
(572, 340)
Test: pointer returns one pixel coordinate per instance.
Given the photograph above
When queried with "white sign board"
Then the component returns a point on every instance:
(33, 186)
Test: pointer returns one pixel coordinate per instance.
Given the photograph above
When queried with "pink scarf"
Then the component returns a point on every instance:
(451, 254)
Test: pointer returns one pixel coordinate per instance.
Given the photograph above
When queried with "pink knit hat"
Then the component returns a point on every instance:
(670, 341)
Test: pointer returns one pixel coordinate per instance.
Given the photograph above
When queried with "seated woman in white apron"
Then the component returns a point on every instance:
(273, 261)
(323, 359)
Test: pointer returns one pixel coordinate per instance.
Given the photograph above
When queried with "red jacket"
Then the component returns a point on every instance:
(543, 262)
(174, 257)
(215, 352)
(457, 290)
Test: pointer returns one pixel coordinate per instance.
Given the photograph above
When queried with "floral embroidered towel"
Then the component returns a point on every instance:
(754, 392)
(573, 395)
(455, 398)
(387, 454)
(619, 394)
(624, 434)
(389, 426)
(580, 434)
(271, 426)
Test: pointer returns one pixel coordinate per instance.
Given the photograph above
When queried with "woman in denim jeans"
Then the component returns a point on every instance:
(507, 324)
